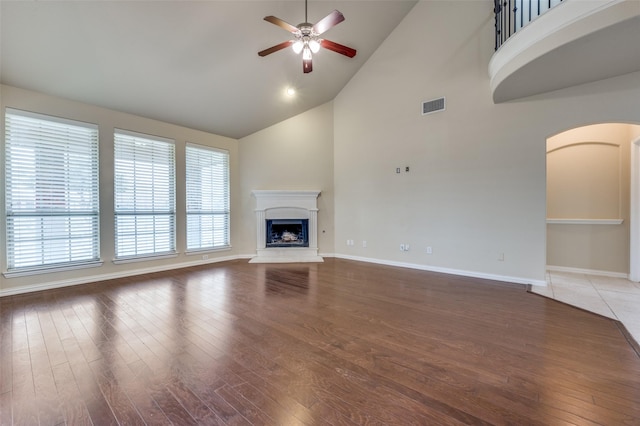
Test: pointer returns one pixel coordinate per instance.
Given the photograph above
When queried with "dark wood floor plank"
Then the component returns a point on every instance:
(590, 410)
(297, 400)
(193, 404)
(47, 403)
(313, 363)
(52, 341)
(23, 390)
(71, 401)
(172, 409)
(6, 344)
(278, 407)
(265, 344)
(223, 410)
(337, 343)
(6, 414)
(92, 397)
(90, 351)
(249, 411)
(113, 393)
(138, 386)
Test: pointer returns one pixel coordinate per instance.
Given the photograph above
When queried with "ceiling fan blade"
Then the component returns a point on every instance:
(275, 48)
(332, 19)
(306, 66)
(338, 48)
(282, 24)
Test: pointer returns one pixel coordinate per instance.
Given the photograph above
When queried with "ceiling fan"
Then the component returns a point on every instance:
(307, 38)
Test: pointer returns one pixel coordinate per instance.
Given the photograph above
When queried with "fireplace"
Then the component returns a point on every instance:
(286, 226)
(287, 233)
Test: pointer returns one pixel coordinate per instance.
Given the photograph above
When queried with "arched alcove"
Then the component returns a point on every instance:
(589, 202)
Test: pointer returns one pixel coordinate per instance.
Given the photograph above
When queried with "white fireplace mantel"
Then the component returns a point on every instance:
(286, 204)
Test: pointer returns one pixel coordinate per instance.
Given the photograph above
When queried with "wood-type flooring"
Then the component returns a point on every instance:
(336, 343)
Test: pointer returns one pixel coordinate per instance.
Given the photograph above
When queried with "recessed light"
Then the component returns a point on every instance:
(291, 91)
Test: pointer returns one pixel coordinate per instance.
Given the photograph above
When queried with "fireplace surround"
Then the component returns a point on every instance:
(286, 226)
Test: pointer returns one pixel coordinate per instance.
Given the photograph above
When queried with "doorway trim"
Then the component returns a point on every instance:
(634, 225)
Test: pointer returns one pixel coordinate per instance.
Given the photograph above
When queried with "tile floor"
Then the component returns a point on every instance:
(616, 298)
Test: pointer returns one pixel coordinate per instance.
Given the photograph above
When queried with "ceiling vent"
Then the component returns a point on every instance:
(435, 105)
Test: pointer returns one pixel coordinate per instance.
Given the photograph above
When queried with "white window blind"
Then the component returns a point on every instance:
(144, 195)
(207, 197)
(51, 190)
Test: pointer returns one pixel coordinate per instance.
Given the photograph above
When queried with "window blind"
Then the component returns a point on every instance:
(207, 181)
(144, 192)
(51, 191)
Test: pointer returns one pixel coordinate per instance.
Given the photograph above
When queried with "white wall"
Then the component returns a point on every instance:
(294, 154)
(107, 120)
(476, 186)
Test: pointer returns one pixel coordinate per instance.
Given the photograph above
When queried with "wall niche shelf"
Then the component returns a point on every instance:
(551, 221)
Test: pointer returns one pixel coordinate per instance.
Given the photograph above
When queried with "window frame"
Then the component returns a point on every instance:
(208, 154)
(61, 203)
(135, 210)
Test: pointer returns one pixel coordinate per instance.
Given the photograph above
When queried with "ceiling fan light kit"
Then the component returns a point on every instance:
(307, 38)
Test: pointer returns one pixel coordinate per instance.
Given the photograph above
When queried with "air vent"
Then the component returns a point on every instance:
(435, 105)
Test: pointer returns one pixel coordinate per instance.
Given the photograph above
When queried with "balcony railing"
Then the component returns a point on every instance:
(512, 15)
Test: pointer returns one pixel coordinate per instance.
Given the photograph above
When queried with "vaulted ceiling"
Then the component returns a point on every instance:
(191, 63)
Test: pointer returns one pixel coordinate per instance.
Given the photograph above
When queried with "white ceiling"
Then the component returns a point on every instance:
(192, 63)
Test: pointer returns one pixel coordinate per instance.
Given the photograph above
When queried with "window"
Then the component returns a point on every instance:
(52, 192)
(144, 195)
(207, 198)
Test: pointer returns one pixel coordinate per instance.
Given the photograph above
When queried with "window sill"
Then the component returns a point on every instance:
(144, 258)
(50, 269)
(195, 252)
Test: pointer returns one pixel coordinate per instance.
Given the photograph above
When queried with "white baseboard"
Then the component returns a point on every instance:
(472, 274)
(161, 268)
(587, 271)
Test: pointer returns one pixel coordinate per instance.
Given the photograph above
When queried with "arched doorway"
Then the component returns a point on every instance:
(588, 201)
(593, 232)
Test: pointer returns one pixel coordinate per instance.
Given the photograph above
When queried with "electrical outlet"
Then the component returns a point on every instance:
(364, 243)
(205, 257)
(429, 250)
(501, 257)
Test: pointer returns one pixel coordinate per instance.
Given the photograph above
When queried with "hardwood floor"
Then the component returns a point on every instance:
(341, 342)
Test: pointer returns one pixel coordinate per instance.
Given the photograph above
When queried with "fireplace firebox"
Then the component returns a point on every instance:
(287, 233)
